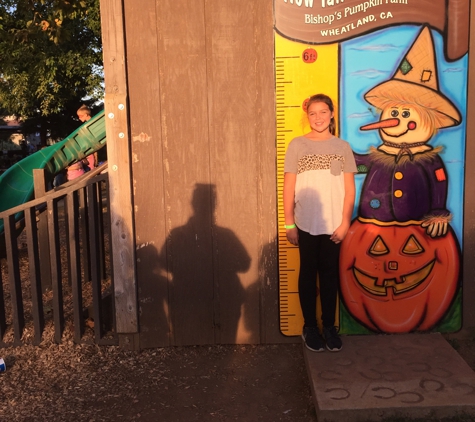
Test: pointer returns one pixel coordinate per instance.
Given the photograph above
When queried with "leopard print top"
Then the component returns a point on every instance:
(318, 162)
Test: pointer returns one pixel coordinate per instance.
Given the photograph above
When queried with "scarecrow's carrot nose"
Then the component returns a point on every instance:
(381, 124)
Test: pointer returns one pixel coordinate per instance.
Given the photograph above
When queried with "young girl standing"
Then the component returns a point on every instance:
(319, 194)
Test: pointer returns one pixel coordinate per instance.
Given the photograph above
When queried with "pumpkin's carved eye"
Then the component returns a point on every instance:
(378, 247)
(412, 246)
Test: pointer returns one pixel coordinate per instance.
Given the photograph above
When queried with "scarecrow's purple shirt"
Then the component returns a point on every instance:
(404, 191)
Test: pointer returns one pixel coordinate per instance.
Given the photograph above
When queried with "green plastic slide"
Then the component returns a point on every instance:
(16, 184)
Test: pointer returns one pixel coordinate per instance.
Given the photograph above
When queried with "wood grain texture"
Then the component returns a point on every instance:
(141, 23)
(118, 152)
(234, 166)
(199, 81)
(267, 179)
(186, 255)
(468, 263)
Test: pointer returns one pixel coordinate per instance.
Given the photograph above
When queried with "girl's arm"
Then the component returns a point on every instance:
(348, 203)
(289, 203)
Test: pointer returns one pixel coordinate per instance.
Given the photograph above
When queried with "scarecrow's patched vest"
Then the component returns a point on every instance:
(403, 191)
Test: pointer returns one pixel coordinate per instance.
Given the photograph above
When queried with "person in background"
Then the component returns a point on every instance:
(84, 115)
(80, 167)
(75, 170)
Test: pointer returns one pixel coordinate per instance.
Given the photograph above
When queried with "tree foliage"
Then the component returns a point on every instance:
(50, 61)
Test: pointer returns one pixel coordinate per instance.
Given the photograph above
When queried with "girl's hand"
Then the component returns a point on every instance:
(340, 233)
(292, 236)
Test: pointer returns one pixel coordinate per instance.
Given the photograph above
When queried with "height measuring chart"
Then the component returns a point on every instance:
(301, 71)
(374, 59)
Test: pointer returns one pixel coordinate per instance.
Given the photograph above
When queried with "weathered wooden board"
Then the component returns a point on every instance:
(118, 152)
(267, 201)
(234, 165)
(199, 83)
(469, 203)
(187, 253)
(141, 22)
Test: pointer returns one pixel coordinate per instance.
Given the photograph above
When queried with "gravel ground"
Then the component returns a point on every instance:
(70, 382)
(86, 382)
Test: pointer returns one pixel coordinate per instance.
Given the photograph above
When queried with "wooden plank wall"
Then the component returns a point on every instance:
(200, 83)
(118, 154)
(198, 164)
(469, 203)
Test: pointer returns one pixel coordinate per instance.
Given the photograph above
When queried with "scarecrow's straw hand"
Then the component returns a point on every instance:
(436, 226)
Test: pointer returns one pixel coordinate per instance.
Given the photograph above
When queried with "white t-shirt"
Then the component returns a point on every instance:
(320, 185)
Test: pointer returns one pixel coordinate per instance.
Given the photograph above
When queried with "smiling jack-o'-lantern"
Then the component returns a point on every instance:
(396, 279)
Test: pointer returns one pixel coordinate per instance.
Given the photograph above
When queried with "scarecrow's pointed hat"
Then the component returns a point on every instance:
(416, 81)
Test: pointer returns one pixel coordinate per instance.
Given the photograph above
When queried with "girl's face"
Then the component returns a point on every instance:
(319, 116)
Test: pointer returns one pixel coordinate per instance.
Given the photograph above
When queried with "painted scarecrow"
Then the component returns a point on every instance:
(400, 260)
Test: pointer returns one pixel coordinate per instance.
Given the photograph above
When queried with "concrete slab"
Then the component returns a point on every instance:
(378, 376)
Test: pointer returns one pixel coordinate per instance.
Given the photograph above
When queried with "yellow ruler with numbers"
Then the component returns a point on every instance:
(301, 70)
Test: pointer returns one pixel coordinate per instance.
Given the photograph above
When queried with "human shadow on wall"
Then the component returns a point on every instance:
(203, 261)
(261, 306)
(152, 295)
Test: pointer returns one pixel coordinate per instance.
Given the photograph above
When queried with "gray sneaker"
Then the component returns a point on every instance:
(332, 339)
(312, 339)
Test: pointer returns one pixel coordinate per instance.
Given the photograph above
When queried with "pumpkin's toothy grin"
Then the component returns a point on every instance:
(406, 282)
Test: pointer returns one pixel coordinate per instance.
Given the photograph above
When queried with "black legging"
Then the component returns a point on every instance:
(318, 254)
